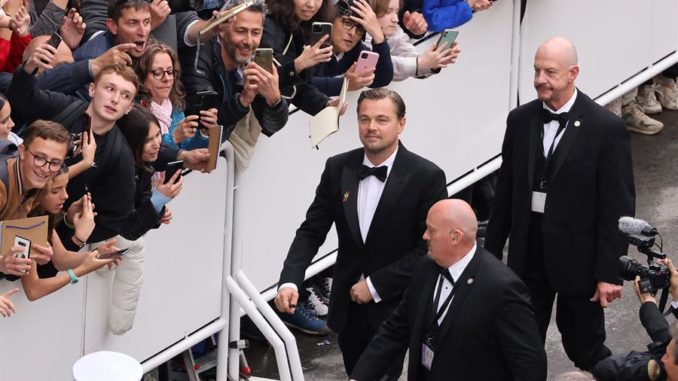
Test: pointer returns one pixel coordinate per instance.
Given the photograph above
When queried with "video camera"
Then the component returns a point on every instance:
(653, 277)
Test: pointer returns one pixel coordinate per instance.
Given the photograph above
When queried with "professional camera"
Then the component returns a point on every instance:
(652, 278)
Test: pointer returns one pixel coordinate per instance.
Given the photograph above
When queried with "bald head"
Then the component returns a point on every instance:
(555, 71)
(451, 228)
(456, 214)
(561, 49)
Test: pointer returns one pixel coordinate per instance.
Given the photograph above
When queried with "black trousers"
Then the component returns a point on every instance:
(580, 321)
(355, 337)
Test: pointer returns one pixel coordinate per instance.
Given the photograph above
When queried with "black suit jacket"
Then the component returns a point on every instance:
(591, 186)
(394, 241)
(489, 332)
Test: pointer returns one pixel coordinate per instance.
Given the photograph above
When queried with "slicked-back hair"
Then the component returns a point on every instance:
(383, 93)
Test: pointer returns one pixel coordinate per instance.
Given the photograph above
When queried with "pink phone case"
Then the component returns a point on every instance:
(367, 60)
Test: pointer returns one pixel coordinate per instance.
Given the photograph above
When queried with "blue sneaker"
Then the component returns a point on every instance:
(305, 321)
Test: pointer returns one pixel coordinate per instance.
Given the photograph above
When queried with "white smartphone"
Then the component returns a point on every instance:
(25, 245)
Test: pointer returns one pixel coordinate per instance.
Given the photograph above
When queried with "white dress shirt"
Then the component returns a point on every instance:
(369, 194)
(455, 270)
(551, 128)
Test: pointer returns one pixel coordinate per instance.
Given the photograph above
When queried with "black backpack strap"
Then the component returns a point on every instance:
(71, 113)
(112, 147)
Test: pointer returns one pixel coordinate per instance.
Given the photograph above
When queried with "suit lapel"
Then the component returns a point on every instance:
(396, 182)
(423, 315)
(575, 122)
(462, 288)
(349, 195)
(534, 132)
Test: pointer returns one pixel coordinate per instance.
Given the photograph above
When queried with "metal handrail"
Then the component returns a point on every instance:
(275, 323)
(278, 346)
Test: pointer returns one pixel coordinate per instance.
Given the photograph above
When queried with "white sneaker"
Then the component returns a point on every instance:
(666, 92)
(648, 100)
(315, 304)
(637, 121)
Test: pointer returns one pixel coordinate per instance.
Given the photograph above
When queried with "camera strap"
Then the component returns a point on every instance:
(662, 301)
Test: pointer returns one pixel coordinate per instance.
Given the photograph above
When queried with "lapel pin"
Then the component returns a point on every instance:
(346, 194)
(577, 123)
(469, 281)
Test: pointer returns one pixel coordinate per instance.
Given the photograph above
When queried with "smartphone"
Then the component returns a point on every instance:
(264, 58)
(202, 100)
(173, 167)
(367, 60)
(447, 37)
(320, 29)
(25, 245)
(54, 40)
(113, 254)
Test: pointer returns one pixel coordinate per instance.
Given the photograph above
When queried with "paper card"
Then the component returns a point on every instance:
(213, 145)
(33, 229)
(326, 122)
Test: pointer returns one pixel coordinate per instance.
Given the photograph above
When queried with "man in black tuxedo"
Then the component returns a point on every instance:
(465, 315)
(565, 179)
(377, 197)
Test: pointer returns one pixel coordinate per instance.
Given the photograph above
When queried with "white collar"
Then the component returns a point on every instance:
(458, 268)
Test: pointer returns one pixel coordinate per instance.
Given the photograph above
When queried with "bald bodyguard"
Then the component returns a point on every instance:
(566, 178)
(465, 315)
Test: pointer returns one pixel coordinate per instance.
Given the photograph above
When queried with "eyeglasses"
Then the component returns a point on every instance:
(349, 25)
(41, 161)
(159, 74)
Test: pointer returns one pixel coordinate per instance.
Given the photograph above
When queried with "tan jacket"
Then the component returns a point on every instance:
(13, 202)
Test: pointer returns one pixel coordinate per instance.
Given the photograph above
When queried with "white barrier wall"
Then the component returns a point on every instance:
(181, 293)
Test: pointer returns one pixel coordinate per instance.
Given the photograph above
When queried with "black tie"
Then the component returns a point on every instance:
(378, 172)
(549, 116)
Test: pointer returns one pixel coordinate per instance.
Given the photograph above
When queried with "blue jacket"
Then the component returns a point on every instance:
(446, 14)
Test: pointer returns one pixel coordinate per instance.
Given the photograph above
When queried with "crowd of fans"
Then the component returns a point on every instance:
(97, 98)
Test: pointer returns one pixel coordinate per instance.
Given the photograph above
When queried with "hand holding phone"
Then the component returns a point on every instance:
(367, 60)
(264, 58)
(171, 169)
(202, 100)
(318, 31)
(55, 40)
(118, 253)
(447, 38)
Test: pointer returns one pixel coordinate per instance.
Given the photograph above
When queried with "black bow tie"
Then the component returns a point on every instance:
(378, 172)
(548, 116)
(444, 271)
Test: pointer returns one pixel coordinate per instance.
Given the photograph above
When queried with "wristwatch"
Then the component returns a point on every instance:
(74, 278)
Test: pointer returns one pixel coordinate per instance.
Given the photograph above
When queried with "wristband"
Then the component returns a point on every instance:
(74, 278)
(80, 242)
